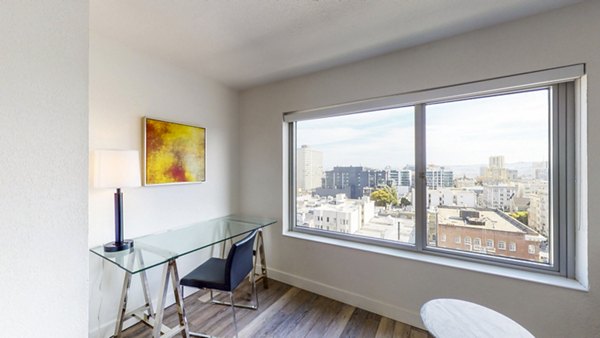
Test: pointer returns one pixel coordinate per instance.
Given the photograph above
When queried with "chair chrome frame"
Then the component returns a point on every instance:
(254, 294)
(231, 303)
(252, 306)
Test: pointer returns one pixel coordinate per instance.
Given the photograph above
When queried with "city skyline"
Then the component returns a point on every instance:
(524, 169)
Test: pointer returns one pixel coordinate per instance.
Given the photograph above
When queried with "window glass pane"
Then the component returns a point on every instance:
(488, 175)
(354, 174)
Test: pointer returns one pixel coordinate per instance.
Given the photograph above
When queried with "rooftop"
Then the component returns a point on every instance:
(491, 220)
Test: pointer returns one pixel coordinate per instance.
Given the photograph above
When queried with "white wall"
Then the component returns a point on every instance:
(43, 168)
(126, 85)
(398, 287)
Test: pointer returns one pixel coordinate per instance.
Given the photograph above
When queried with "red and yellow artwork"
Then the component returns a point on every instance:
(175, 153)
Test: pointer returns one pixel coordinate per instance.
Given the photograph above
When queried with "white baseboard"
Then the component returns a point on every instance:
(376, 306)
(105, 330)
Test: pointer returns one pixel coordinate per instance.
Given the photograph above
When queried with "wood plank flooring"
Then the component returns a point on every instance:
(284, 311)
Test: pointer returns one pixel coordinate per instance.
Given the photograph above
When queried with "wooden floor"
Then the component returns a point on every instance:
(284, 311)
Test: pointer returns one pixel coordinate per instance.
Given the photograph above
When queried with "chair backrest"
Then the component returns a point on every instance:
(239, 261)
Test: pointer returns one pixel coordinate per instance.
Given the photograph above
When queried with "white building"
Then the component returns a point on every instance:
(496, 162)
(451, 197)
(405, 178)
(464, 182)
(539, 211)
(465, 198)
(498, 196)
(309, 166)
(437, 197)
(395, 228)
(439, 177)
(402, 190)
(496, 173)
(529, 187)
(541, 170)
(334, 214)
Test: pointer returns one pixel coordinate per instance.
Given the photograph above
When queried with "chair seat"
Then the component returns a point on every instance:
(225, 274)
(211, 275)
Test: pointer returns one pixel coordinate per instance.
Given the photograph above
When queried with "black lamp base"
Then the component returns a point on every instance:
(118, 246)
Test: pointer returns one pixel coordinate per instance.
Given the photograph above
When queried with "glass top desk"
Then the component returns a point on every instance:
(163, 249)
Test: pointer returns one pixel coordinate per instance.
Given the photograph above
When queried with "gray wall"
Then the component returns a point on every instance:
(396, 286)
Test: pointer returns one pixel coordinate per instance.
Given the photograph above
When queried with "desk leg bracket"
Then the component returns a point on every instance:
(146, 312)
(260, 251)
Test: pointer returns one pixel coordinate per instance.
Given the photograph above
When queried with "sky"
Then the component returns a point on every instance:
(465, 132)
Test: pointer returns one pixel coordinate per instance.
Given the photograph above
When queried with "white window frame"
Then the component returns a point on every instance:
(501, 245)
(562, 81)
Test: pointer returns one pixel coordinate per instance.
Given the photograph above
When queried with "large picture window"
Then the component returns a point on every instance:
(353, 173)
(489, 161)
(488, 173)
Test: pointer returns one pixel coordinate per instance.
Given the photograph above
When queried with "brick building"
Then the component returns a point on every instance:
(489, 232)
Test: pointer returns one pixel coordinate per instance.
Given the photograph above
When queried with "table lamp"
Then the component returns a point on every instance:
(117, 169)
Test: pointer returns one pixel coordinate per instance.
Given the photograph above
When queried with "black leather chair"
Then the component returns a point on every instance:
(226, 275)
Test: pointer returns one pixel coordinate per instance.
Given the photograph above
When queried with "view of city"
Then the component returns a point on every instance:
(355, 174)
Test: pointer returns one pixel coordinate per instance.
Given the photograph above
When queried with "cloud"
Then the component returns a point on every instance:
(458, 133)
(515, 126)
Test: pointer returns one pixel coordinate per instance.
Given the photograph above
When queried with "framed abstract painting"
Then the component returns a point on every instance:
(174, 153)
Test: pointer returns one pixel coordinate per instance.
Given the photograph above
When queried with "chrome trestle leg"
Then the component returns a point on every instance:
(233, 311)
(263, 261)
(162, 297)
(123, 299)
(146, 288)
(179, 300)
(122, 305)
(254, 290)
(152, 318)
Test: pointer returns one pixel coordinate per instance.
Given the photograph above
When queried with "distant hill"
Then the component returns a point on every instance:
(525, 169)
(470, 171)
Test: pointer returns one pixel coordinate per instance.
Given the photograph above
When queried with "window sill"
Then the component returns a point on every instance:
(529, 276)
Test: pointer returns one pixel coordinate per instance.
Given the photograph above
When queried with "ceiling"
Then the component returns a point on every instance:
(243, 43)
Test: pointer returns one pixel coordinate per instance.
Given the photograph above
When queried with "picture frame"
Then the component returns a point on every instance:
(174, 153)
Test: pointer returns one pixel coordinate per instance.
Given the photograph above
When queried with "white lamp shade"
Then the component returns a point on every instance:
(116, 168)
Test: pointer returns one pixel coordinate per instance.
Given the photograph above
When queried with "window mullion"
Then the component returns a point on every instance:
(563, 186)
(292, 174)
(420, 200)
(570, 182)
(556, 175)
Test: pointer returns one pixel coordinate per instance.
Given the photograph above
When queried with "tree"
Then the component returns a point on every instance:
(521, 216)
(385, 196)
(404, 202)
